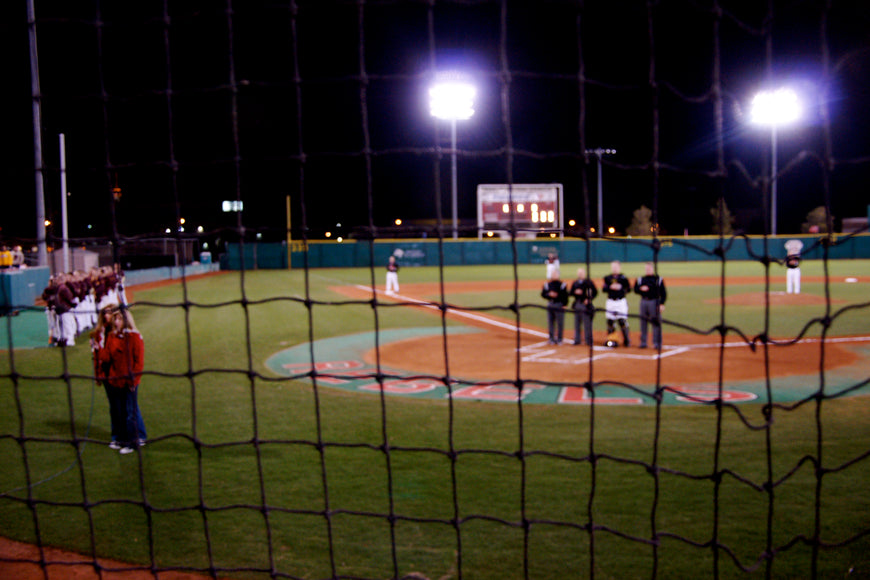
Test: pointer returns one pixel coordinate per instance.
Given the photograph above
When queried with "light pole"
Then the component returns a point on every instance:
(36, 107)
(775, 108)
(598, 153)
(451, 98)
(63, 204)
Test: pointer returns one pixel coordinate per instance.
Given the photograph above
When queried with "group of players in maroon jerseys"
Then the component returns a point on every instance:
(73, 299)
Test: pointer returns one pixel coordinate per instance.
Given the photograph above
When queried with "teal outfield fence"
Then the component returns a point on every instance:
(331, 254)
(134, 277)
(21, 288)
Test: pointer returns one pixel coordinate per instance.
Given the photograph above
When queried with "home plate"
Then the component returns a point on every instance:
(851, 280)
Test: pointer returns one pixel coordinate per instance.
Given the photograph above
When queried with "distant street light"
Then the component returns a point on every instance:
(598, 153)
(451, 98)
(775, 108)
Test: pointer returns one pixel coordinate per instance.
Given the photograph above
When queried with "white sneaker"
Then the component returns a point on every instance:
(141, 443)
(126, 450)
(114, 445)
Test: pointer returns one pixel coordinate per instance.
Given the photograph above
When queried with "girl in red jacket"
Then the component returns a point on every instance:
(122, 359)
(98, 344)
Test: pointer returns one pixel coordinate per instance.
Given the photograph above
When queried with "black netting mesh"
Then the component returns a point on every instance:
(181, 105)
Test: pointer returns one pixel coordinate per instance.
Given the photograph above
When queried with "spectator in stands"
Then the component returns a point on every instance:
(5, 257)
(18, 257)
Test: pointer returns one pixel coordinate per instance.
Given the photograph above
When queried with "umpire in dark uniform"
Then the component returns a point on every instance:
(584, 292)
(653, 295)
(556, 293)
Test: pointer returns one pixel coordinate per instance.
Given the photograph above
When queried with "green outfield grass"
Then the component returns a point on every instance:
(466, 473)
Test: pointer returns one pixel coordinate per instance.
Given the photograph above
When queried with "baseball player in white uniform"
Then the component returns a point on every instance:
(793, 266)
(552, 265)
(392, 276)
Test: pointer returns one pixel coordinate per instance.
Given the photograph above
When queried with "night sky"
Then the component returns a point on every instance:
(188, 108)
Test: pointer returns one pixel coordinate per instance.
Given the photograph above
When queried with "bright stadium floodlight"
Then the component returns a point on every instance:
(452, 99)
(774, 109)
(778, 107)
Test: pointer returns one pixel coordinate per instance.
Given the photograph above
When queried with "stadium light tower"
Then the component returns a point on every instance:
(775, 108)
(452, 98)
(598, 153)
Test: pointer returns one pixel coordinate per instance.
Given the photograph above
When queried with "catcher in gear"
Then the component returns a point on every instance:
(616, 286)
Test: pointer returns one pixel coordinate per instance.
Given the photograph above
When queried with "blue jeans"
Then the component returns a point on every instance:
(128, 427)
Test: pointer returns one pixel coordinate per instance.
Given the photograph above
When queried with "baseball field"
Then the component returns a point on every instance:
(306, 425)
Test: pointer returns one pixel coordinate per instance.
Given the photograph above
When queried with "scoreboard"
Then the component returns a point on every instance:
(530, 206)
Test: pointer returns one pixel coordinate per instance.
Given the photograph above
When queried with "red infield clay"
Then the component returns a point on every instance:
(62, 565)
(492, 354)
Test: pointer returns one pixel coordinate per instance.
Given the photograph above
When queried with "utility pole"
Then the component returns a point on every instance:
(36, 98)
(599, 153)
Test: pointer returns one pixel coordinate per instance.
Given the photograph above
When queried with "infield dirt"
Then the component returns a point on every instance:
(493, 353)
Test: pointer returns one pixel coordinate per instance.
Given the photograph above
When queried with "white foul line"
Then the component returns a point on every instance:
(469, 315)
